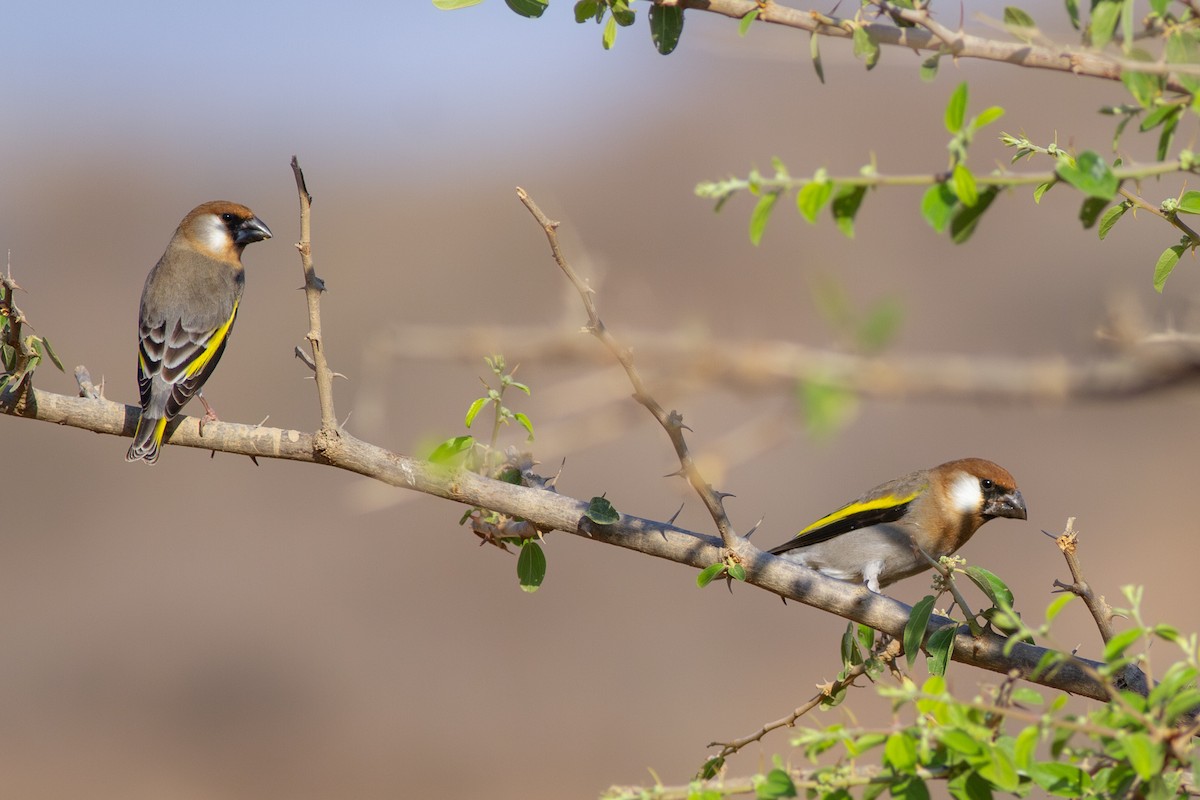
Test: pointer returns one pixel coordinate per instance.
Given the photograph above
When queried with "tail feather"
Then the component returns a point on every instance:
(147, 439)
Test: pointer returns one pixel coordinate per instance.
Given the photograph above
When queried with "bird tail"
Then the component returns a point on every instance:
(147, 439)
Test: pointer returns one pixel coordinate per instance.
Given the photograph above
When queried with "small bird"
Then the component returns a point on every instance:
(188, 307)
(875, 539)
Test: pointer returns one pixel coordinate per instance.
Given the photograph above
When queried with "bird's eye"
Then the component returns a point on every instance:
(227, 217)
(987, 484)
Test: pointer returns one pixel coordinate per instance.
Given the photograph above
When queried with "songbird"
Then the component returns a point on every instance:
(188, 307)
(875, 539)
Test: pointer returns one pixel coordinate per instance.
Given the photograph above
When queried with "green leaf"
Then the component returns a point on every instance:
(991, 585)
(812, 197)
(1120, 642)
(1106, 224)
(1144, 87)
(1073, 13)
(530, 9)
(814, 52)
(475, 408)
(1089, 174)
(1001, 770)
(586, 9)
(958, 740)
(666, 26)
(55, 360)
(531, 566)
(1041, 189)
(760, 215)
(963, 183)
(846, 202)
(956, 108)
(622, 13)
(987, 117)
(865, 47)
(524, 422)
(1157, 117)
(601, 512)
(929, 67)
(827, 407)
(737, 572)
(449, 450)
(940, 647)
(1189, 203)
(1144, 755)
(744, 25)
(1061, 780)
(1056, 607)
(900, 752)
(851, 655)
(1167, 134)
(1166, 264)
(708, 573)
(1105, 14)
(1019, 23)
(914, 629)
(776, 783)
(450, 5)
(938, 205)
(880, 325)
(610, 34)
(966, 220)
(1182, 48)
(1090, 211)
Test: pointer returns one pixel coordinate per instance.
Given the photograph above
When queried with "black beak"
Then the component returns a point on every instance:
(251, 230)
(1010, 504)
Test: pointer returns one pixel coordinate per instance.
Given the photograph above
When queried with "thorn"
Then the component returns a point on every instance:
(306, 358)
(676, 474)
(722, 495)
(264, 421)
(254, 459)
(755, 527)
(675, 516)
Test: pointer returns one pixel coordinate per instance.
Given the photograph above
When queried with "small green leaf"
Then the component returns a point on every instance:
(1059, 779)
(987, 117)
(449, 5)
(1144, 87)
(586, 9)
(666, 26)
(846, 202)
(531, 566)
(1183, 48)
(1089, 174)
(1073, 13)
(880, 325)
(475, 408)
(963, 183)
(609, 36)
(991, 585)
(1042, 188)
(940, 647)
(1001, 770)
(956, 108)
(812, 197)
(737, 572)
(601, 512)
(525, 423)
(622, 13)
(929, 67)
(1167, 134)
(1106, 224)
(900, 753)
(1145, 756)
(744, 25)
(814, 52)
(966, 220)
(914, 629)
(776, 783)
(1120, 642)
(1166, 264)
(1056, 607)
(1189, 203)
(760, 215)
(1105, 14)
(449, 450)
(707, 574)
(827, 407)
(1157, 116)
(710, 769)
(865, 47)
(937, 206)
(1090, 211)
(530, 9)
(1019, 23)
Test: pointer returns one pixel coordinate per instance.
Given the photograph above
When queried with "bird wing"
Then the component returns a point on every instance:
(180, 356)
(887, 502)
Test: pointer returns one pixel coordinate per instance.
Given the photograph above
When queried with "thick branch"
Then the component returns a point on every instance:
(551, 511)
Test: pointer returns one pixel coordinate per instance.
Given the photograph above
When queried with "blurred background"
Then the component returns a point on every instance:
(213, 629)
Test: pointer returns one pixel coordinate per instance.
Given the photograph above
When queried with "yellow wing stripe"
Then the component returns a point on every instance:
(214, 342)
(850, 509)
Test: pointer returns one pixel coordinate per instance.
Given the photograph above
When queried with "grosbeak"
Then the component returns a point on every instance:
(188, 307)
(879, 538)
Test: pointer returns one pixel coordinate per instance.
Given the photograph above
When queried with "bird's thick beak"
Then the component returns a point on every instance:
(252, 230)
(1010, 504)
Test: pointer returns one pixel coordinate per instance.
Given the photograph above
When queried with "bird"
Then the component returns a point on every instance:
(875, 539)
(189, 304)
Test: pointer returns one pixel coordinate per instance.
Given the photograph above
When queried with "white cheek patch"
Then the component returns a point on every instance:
(214, 236)
(965, 494)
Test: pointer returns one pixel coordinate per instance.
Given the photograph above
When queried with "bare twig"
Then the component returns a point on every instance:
(313, 286)
(672, 423)
(1101, 611)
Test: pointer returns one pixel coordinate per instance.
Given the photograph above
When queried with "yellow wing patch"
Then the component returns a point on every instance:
(860, 507)
(214, 343)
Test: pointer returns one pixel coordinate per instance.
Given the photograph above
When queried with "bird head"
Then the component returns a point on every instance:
(981, 488)
(223, 228)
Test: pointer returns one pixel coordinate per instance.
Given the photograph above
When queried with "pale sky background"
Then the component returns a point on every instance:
(212, 629)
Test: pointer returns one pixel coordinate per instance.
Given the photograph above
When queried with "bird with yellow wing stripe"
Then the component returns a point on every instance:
(885, 534)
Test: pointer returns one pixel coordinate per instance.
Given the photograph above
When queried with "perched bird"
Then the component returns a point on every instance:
(874, 539)
(189, 304)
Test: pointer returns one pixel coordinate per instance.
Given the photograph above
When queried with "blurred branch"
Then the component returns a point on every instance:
(1149, 364)
(928, 35)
